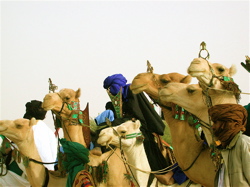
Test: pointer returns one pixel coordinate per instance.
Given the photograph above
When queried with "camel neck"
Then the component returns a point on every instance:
(183, 139)
(35, 172)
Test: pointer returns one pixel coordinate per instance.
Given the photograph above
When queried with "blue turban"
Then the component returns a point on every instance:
(114, 83)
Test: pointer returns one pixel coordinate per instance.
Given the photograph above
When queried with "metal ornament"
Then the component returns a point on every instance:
(203, 48)
(52, 87)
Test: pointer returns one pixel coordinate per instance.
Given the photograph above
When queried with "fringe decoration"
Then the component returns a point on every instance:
(130, 178)
(102, 172)
(233, 87)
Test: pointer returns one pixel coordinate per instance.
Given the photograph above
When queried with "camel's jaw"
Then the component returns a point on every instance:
(196, 73)
(164, 98)
(3, 129)
(137, 88)
(195, 70)
(104, 140)
(47, 107)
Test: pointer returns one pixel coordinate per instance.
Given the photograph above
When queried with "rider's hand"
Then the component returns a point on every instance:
(247, 65)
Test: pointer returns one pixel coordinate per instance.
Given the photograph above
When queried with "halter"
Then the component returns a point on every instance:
(139, 137)
(180, 113)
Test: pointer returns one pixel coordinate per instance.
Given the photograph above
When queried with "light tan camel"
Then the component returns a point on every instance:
(21, 133)
(129, 137)
(131, 145)
(211, 78)
(62, 103)
(189, 150)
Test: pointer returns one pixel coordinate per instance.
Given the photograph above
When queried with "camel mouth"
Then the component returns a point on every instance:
(164, 96)
(104, 141)
(195, 73)
(49, 107)
(136, 89)
(3, 130)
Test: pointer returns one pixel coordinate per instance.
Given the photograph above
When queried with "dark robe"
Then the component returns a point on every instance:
(139, 107)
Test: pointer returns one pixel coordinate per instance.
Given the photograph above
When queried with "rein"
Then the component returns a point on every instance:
(26, 161)
(180, 113)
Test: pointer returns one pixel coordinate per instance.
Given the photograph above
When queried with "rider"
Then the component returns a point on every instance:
(44, 137)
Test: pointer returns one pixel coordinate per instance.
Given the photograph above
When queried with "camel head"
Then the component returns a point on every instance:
(188, 96)
(124, 131)
(151, 82)
(60, 101)
(204, 70)
(18, 130)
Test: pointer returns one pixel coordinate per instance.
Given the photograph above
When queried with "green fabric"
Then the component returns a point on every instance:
(247, 107)
(76, 157)
(15, 168)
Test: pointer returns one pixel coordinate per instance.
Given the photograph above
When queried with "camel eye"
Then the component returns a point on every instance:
(18, 126)
(221, 69)
(164, 81)
(123, 132)
(190, 90)
(67, 98)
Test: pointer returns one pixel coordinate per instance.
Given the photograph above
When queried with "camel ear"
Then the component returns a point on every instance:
(187, 79)
(32, 121)
(137, 124)
(232, 70)
(78, 93)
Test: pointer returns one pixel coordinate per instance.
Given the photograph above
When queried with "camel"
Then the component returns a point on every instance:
(189, 150)
(61, 104)
(188, 96)
(212, 78)
(129, 137)
(21, 133)
(8, 177)
(132, 147)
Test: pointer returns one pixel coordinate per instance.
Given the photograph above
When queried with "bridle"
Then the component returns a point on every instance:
(196, 121)
(26, 161)
(76, 115)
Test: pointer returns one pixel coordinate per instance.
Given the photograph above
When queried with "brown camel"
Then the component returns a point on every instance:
(189, 150)
(21, 133)
(61, 103)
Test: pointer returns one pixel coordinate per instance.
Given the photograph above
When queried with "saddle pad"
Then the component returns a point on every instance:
(83, 179)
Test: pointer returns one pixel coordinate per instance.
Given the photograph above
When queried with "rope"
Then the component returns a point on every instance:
(148, 172)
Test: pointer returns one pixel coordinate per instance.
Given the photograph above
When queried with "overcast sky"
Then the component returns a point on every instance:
(79, 43)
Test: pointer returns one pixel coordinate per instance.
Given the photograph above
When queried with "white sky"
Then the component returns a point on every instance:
(79, 43)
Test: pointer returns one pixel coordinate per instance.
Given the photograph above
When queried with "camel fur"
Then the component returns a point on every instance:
(54, 102)
(185, 143)
(203, 70)
(21, 133)
(134, 149)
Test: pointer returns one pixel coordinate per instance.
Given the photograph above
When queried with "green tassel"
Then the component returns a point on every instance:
(197, 126)
(26, 161)
(105, 171)
(69, 107)
(176, 112)
(74, 116)
(182, 114)
(128, 176)
(227, 78)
